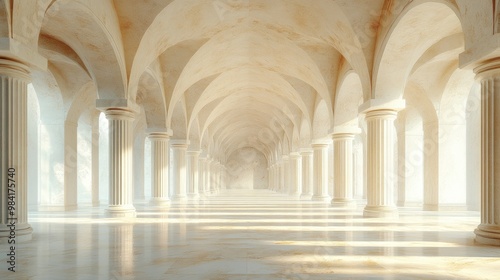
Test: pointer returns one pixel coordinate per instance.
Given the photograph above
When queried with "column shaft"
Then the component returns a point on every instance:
(488, 232)
(193, 174)
(14, 78)
(120, 162)
(179, 182)
(159, 169)
(307, 174)
(296, 174)
(320, 191)
(343, 170)
(381, 172)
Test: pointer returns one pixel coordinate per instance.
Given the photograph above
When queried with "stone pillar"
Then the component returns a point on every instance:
(201, 175)
(295, 174)
(431, 166)
(307, 174)
(381, 173)
(286, 174)
(488, 232)
(159, 168)
(120, 162)
(343, 169)
(320, 191)
(282, 176)
(208, 175)
(193, 174)
(14, 78)
(179, 172)
(95, 162)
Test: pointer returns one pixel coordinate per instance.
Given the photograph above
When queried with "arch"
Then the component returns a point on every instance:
(411, 31)
(298, 20)
(5, 26)
(260, 48)
(98, 41)
(150, 96)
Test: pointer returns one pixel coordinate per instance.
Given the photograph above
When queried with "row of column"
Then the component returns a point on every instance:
(14, 77)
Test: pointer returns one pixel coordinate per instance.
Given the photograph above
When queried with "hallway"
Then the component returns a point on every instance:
(253, 234)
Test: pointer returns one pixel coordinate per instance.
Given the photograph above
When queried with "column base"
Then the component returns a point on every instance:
(343, 203)
(179, 198)
(159, 202)
(430, 207)
(305, 196)
(23, 233)
(96, 203)
(56, 208)
(380, 212)
(194, 196)
(121, 211)
(488, 235)
(295, 195)
(324, 198)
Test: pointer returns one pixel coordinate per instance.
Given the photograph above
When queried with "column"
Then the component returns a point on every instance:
(295, 174)
(320, 157)
(179, 172)
(488, 232)
(286, 174)
(307, 174)
(14, 78)
(201, 175)
(343, 169)
(120, 162)
(282, 176)
(95, 161)
(381, 173)
(431, 166)
(208, 176)
(159, 168)
(193, 176)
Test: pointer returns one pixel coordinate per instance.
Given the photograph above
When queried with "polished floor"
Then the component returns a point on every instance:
(252, 235)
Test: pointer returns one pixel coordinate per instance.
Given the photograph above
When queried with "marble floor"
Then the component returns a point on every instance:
(252, 235)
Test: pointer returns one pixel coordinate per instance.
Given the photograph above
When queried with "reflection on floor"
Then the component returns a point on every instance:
(252, 235)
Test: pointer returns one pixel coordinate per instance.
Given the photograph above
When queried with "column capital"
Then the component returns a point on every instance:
(179, 144)
(193, 153)
(124, 104)
(119, 114)
(295, 155)
(306, 151)
(321, 143)
(381, 105)
(488, 69)
(285, 157)
(346, 132)
(14, 69)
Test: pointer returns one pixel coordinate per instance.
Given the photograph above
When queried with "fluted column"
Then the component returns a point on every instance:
(380, 163)
(295, 174)
(120, 162)
(201, 175)
(208, 175)
(14, 78)
(343, 169)
(159, 168)
(286, 174)
(281, 177)
(179, 172)
(193, 174)
(488, 232)
(307, 173)
(95, 162)
(320, 157)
